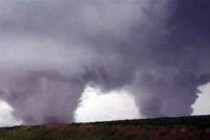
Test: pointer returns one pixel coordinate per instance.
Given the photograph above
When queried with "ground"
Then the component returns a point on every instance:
(182, 128)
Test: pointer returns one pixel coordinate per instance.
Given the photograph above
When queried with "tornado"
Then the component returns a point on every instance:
(51, 50)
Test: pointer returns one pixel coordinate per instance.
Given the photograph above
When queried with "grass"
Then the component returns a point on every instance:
(197, 127)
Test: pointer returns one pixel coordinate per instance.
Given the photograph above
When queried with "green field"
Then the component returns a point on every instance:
(183, 128)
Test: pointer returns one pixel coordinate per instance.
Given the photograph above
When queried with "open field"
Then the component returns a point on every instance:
(182, 128)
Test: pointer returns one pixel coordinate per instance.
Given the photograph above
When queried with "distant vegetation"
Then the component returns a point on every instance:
(182, 128)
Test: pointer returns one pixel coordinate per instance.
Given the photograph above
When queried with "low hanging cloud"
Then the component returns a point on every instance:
(51, 50)
(6, 117)
(98, 106)
(201, 106)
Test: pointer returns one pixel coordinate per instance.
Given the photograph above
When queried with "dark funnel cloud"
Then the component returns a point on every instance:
(50, 50)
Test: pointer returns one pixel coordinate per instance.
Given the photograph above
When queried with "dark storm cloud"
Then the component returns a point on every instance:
(183, 61)
(51, 49)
